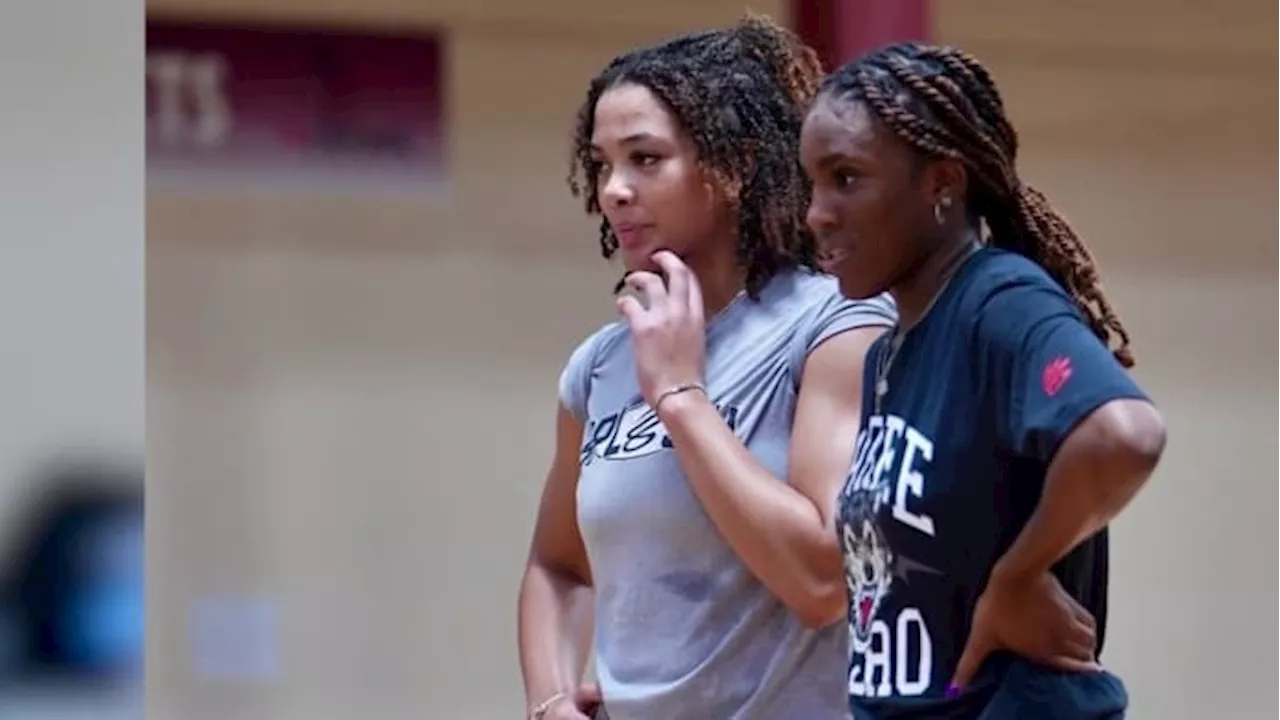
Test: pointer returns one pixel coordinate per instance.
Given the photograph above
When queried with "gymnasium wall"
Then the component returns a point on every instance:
(70, 273)
(350, 401)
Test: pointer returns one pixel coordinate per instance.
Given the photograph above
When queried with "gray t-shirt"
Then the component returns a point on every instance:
(683, 629)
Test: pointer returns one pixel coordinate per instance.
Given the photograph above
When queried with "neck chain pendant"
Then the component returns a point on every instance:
(883, 364)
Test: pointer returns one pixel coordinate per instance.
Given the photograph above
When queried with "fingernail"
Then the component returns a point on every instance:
(953, 691)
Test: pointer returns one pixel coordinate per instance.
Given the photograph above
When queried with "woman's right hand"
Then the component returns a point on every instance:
(556, 601)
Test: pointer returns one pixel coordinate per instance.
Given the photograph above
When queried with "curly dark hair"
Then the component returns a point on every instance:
(741, 94)
(942, 102)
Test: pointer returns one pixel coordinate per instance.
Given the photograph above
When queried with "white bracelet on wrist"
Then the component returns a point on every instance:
(686, 387)
(541, 709)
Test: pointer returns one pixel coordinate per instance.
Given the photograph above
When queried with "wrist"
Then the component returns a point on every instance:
(673, 403)
(544, 704)
(1011, 570)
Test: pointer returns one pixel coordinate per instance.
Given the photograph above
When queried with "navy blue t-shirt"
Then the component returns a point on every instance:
(980, 395)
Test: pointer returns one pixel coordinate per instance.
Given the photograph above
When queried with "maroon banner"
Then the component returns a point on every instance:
(293, 107)
(841, 30)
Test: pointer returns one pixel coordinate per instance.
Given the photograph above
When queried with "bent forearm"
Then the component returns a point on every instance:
(777, 532)
(555, 626)
(1096, 473)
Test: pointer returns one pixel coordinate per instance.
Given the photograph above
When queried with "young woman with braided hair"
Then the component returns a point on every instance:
(703, 438)
(1000, 433)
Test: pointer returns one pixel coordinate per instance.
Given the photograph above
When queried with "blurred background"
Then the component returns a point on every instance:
(72, 360)
(364, 271)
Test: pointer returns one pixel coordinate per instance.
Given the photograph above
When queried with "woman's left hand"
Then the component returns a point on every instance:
(1033, 617)
(669, 335)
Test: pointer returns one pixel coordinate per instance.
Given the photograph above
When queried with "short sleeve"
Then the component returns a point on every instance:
(836, 315)
(1046, 368)
(575, 378)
